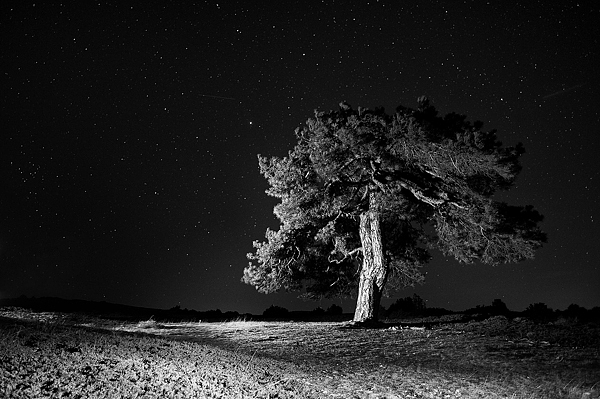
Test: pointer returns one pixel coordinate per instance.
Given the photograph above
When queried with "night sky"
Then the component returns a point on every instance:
(129, 135)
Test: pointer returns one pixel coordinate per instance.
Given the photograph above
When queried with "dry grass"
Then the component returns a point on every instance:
(496, 358)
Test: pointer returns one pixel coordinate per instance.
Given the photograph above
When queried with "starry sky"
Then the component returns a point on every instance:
(130, 131)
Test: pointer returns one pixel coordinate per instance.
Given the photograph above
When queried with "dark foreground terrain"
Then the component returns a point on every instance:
(67, 355)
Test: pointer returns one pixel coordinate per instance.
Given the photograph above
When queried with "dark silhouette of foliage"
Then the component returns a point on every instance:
(319, 311)
(409, 306)
(499, 307)
(212, 314)
(231, 315)
(539, 311)
(437, 311)
(335, 310)
(576, 314)
(594, 314)
(365, 195)
(275, 312)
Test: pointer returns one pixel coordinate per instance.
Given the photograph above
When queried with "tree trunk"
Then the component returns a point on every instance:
(373, 274)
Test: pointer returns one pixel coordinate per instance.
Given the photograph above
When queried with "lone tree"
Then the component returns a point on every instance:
(365, 195)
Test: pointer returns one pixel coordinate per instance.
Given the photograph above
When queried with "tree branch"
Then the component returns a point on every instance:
(419, 194)
(346, 256)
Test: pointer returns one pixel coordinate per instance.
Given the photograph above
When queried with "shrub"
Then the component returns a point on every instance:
(540, 312)
(409, 306)
(275, 312)
(499, 307)
(335, 310)
(318, 311)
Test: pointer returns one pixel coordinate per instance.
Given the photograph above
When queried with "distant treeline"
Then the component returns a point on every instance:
(415, 307)
(403, 308)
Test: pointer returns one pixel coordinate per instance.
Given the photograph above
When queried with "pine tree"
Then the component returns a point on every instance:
(365, 195)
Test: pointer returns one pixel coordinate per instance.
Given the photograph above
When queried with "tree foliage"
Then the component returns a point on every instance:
(429, 181)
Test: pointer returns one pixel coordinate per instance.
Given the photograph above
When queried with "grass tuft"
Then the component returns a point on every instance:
(150, 323)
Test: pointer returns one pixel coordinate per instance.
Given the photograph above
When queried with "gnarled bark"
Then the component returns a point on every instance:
(374, 272)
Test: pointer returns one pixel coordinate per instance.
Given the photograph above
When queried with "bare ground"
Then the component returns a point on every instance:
(494, 358)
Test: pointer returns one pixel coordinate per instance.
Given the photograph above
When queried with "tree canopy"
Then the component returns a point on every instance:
(365, 195)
